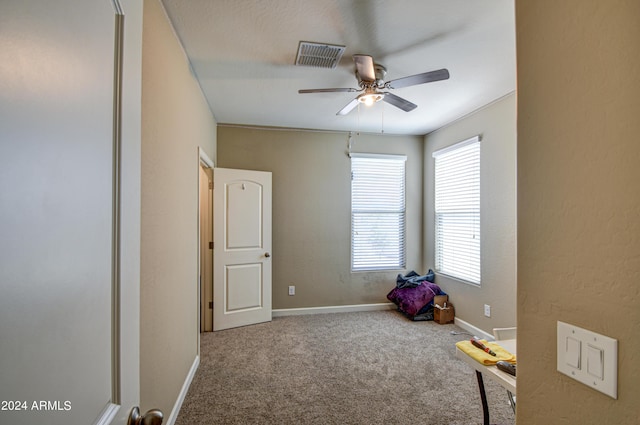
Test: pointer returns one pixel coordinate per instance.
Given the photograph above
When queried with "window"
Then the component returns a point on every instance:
(457, 210)
(377, 212)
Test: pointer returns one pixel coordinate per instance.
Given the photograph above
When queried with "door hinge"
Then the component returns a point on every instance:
(210, 185)
(210, 245)
(211, 305)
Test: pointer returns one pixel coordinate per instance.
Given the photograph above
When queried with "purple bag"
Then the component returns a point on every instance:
(412, 300)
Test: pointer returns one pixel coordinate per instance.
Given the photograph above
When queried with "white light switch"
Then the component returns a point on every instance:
(588, 357)
(595, 362)
(572, 355)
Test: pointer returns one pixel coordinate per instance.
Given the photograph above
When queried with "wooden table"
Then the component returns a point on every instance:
(491, 372)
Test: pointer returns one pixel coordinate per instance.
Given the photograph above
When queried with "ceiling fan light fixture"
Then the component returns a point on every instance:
(370, 98)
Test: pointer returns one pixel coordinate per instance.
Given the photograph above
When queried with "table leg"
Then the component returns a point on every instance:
(483, 397)
(512, 401)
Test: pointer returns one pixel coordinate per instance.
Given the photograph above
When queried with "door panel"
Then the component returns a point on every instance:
(244, 218)
(243, 287)
(59, 349)
(242, 248)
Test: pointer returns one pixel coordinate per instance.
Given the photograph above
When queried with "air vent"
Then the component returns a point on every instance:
(319, 55)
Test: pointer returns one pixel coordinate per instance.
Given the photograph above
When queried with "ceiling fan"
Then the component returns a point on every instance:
(370, 76)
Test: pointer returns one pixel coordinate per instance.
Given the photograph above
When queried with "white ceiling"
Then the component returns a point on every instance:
(243, 54)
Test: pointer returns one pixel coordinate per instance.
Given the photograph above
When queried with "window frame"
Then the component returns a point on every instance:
(357, 261)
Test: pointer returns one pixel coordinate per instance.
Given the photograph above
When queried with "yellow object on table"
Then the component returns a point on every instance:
(486, 358)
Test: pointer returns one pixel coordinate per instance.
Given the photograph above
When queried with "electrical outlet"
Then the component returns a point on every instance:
(292, 290)
(487, 310)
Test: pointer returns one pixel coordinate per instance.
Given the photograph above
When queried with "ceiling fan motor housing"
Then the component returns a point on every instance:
(380, 73)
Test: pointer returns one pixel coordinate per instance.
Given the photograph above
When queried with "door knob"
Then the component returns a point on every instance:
(266, 254)
(152, 417)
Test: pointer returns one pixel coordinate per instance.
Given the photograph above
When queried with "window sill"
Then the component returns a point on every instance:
(400, 270)
(459, 280)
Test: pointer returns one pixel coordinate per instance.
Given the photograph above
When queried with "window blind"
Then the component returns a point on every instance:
(377, 212)
(457, 210)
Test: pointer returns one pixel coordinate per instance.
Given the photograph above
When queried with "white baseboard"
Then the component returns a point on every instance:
(473, 330)
(108, 413)
(183, 392)
(332, 309)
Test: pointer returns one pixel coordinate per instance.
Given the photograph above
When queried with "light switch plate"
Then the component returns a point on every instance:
(598, 357)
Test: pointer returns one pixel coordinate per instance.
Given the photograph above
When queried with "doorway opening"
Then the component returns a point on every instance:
(205, 241)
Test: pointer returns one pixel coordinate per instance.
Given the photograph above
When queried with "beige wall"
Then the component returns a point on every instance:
(496, 123)
(312, 206)
(175, 121)
(578, 201)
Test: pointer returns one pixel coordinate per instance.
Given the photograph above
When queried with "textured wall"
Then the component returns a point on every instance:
(496, 123)
(175, 121)
(312, 207)
(578, 201)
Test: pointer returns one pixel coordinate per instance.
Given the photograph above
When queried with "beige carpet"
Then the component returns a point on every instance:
(345, 368)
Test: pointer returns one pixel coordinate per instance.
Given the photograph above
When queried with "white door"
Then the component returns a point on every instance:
(242, 248)
(62, 355)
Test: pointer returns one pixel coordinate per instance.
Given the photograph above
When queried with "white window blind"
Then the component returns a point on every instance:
(457, 210)
(377, 212)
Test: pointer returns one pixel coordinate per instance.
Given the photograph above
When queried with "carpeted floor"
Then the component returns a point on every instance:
(344, 368)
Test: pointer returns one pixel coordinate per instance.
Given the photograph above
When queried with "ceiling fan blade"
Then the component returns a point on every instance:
(364, 66)
(327, 90)
(399, 102)
(349, 107)
(412, 80)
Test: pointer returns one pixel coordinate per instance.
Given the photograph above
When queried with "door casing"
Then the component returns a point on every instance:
(205, 235)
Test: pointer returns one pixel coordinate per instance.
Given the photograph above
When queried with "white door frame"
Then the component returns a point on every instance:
(126, 287)
(128, 303)
(206, 162)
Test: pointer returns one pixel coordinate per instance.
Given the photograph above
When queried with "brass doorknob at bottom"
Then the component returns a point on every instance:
(152, 417)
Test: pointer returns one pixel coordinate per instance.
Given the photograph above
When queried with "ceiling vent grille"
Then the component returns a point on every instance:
(319, 55)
